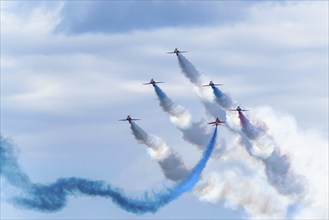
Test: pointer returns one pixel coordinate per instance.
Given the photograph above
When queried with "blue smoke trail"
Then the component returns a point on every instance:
(9, 166)
(53, 197)
(222, 99)
(167, 104)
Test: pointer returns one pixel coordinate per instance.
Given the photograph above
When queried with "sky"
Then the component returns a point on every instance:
(71, 69)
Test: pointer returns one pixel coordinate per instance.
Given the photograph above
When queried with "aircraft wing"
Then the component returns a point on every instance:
(151, 83)
(242, 110)
(183, 51)
(133, 119)
(213, 84)
(170, 52)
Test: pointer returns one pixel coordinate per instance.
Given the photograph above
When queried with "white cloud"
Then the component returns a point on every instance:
(308, 152)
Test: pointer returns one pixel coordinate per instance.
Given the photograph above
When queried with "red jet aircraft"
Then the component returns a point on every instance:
(217, 122)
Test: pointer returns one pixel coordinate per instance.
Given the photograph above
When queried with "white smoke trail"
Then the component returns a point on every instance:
(193, 132)
(196, 78)
(189, 70)
(171, 164)
(178, 114)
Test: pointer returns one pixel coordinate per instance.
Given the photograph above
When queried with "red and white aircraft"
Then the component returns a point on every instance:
(238, 109)
(152, 82)
(217, 122)
(212, 84)
(176, 51)
(129, 119)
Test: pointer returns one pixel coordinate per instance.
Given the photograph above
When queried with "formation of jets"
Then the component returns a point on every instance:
(211, 83)
(176, 51)
(152, 82)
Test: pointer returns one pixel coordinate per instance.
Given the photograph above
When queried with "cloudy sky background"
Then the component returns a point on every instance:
(69, 70)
